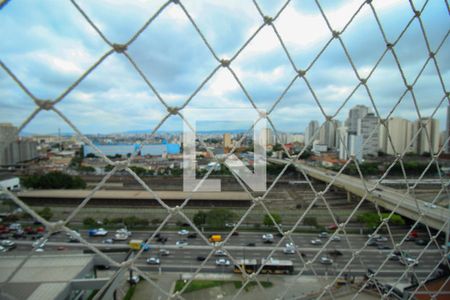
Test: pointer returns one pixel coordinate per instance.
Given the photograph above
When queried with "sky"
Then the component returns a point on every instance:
(48, 45)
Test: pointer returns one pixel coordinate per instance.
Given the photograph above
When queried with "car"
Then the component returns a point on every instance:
(97, 232)
(74, 237)
(372, 242)
(201, 258)
(410, 238)
(222, 262)
(183, 232)
(153, 261)
(316, 242)
(39, 243)
(124, 231)
(332, 226)
(408, 261)
(279, 234)
(383, 247)
(61, 248)
(164, 252)
(3, 249)
(289, 250)
(181, 243)
(192, 235)
(421, 242)
(335, 252)
(108, 241)
(235, 233)
(230, 225)
(251, 244)
(8, 244)
(323, 234)
(220, 252)
(15, 226)
(336, 238)
(4, 236)
(134, 279)
(121, 236)
(267, 241)
(290, 245)
(19, 234)
(393, 257)
(267, 236)
(430, 205)
(29, 230)
(39, 249)
(324, 260)
(381, 238)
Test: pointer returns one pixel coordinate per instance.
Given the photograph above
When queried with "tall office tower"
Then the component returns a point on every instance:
(310, 132)
(356, 113)
(400, 133)
(270, 139)
(368, 130)
(227, 140)
(430, 129)
(342, 138)
(327, 134)
(447, 130)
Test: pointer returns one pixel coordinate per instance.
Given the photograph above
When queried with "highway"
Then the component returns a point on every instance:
(384, 196)
(185, 259)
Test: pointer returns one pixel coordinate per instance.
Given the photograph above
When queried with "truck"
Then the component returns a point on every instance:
(138, 244)
(215, 238)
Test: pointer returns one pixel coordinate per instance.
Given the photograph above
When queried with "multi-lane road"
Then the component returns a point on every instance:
(185, 259)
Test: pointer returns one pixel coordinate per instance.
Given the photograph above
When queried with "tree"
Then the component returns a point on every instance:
(54, 180)
(200, 218)
(218, 217)
(46, 213)
(311, 221)
(88, 221)
(268, 221)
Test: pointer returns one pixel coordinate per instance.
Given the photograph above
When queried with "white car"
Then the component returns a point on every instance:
(183, 232)
(3, 249)
(153, 261)
(222, 262)
(220, 253)
(39, 249)
(326, 260)
(181, 243)
(8, 244)
(120, 236)
(289, 250)
(316, 242)
(267, 236)
(336, 238)
(408, 261)
(430, 205)
(323, 234)
(124, 231)
(164, 252)
(291, 245)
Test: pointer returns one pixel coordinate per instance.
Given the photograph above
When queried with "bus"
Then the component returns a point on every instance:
(271, 266)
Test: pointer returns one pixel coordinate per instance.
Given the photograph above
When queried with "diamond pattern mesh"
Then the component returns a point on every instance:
(320, 196)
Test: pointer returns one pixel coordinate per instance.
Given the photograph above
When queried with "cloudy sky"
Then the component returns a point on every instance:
(48, 45)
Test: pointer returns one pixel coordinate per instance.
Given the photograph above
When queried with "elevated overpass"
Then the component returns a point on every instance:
(381, 195)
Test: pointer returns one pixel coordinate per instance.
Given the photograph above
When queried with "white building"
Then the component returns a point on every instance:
(292, 138)
(368, 130)
(428, 138)
(13, 149)
(327, 133)
(310, 132)
(356, 113)
(396, 137)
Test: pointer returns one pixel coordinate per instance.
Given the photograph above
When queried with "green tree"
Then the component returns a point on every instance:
(200, 218)
(218, 217)
(88, 221)
(311, 221)
(46, 213)
(268, 221)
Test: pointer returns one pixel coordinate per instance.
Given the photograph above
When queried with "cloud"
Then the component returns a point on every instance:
(49, 44)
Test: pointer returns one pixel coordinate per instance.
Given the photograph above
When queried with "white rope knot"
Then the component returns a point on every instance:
(45, 104)
(363, 80)
(176, 1)
(256, 200)
(432, 54)
(262, 114)
(368, 1)
(268, 20)
(55, 226)
(121, 165)
(336, 34)
(301, 73)
(409, 87)
(389, 46)
(225, 62)
(126, 264)
(328, 118)
(119, 48)
(173, 110)
(417, 13)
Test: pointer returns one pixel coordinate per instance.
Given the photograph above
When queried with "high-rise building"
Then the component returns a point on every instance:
(13, 149)
(227, 140)
(299, 138)
(327, 133)
(268, 132)
(447, 130)
(310, 132)
(396, 138)
(428, 138)
(342, 139)
(368, 130)
(349, 144)
(356, 113)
